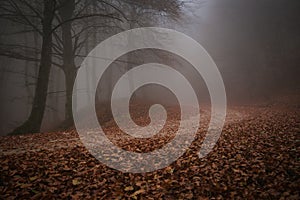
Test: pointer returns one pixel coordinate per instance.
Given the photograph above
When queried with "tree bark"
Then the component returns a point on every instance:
(34, 122)
(66, 12)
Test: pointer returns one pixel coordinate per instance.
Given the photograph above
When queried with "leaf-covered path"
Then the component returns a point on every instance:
(257, 157)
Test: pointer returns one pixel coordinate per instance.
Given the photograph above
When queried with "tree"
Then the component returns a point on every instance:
(73, 38)
(73, 35)
(64, 27)
(34, 121)
(25, 13)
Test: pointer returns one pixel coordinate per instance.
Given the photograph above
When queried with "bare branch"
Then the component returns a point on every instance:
(111, 16)
(32, 9)
(19, 56)
(18, 10)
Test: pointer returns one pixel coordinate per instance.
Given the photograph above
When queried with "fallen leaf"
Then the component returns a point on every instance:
(129, 188)
(76, 182)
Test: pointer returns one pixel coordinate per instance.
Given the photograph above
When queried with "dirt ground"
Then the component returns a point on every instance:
(256, 157)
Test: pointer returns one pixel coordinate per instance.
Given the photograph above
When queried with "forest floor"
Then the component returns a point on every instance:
(256, 157)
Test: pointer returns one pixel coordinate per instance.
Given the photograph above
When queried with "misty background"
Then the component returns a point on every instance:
(255, 44)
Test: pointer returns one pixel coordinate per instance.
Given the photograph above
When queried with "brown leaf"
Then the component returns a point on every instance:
(76, 181)
(140, 191)
(129, 188)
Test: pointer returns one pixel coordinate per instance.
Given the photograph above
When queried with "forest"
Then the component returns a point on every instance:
(147, 99)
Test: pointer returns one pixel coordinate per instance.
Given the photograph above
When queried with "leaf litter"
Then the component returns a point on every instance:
(256, 157)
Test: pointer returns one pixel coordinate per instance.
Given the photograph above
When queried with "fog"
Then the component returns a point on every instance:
(255, 45)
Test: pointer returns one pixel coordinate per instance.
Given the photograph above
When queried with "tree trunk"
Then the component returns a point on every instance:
(33, 123)
(69, 80)
(131, 57)
(69, 67)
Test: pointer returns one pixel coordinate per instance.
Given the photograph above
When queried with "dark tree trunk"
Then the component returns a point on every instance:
(33, 123)
(69, 67)
(70, 79)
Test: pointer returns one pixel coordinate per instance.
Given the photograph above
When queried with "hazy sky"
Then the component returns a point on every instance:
(255, 43)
